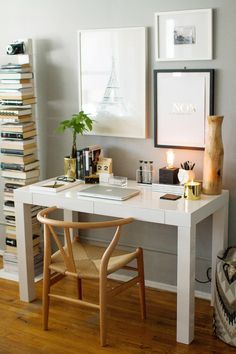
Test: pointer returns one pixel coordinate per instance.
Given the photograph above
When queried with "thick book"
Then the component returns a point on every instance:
(18, 145)
(20, 174)
(13, 86)
(17, 102)
(14, 76)
(21, 160)
(20, 182)
(18, 136)
(16, 91)
(8, 196)
(11, 241)
(16, 66)
(19, 167)
(53, 185)
(19, 152)
(15, 112)
(15, 81)
(17, 127)
(15, 119)
(16, 95)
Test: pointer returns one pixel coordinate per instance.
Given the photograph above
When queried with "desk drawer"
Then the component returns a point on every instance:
(122, 211)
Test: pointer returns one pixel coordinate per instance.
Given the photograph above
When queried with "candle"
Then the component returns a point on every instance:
(170, 157)
(192, 190)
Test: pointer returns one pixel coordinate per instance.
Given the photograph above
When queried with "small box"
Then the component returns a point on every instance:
(104, 177)
(118, 181)
(168, 175)
(92, 179)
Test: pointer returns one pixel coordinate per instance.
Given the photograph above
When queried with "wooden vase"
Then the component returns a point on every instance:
(213, 157)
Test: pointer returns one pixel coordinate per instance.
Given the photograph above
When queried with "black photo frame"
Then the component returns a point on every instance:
(183, 98)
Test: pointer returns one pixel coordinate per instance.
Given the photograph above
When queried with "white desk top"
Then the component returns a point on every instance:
(180, 212)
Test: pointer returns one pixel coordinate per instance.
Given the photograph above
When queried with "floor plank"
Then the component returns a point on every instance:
(74, 329)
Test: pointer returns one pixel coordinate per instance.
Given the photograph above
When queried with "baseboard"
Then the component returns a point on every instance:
(161, 286)
(14, 276)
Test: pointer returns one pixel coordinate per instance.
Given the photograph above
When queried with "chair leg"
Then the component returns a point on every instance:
(79, 287)
(141, 284)
(46, 299)
(103, 310)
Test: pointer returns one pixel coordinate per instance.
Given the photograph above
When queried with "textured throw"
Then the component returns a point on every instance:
(224, 321)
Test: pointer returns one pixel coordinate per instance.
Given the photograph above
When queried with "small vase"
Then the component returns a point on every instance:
(70, 167)
(185, 176)
(213, 157)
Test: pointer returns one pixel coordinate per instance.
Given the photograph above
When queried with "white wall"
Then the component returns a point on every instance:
(53, 25)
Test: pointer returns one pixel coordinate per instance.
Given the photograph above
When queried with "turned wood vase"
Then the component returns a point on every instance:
(213, 157)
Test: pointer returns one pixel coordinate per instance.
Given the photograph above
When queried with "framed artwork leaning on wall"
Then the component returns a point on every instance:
(182, 101)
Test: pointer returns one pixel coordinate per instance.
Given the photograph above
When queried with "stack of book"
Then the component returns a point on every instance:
(87, 160)
(18, 146)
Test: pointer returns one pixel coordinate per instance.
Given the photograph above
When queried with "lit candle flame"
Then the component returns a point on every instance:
(170, 157)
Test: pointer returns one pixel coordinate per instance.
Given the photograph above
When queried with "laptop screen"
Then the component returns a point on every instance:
(109, 192)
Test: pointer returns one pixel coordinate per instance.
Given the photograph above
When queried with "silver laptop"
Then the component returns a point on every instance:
(108, 192)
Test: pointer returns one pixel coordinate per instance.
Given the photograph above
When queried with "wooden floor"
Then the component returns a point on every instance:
(76, 330)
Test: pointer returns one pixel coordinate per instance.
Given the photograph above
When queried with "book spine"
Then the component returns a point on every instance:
(11, 242)
(12, 135)
(12, 152)
(80, 168)
(12, 166)
(86, 162)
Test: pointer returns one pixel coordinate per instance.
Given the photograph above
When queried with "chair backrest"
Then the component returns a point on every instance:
(50, 226)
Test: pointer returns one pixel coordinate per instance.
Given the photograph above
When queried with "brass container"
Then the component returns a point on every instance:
(192, 190)
(70, 167)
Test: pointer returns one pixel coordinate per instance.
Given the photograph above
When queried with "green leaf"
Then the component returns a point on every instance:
(79, 123)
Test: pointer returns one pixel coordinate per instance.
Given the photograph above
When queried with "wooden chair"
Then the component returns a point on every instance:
(85, 261)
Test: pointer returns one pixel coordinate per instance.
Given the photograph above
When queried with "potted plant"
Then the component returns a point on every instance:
(78, 124)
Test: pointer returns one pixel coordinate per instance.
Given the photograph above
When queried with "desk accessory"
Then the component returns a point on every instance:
(79, 123)
(104, 165)
(54, 185)
(186, 173)
(170, 197)
(87, 159)
(118, 181)
(213, 157)
(145, 172)
(192, 190)
(92, 179)
(169, 174)
(104, 177)
(108, 192)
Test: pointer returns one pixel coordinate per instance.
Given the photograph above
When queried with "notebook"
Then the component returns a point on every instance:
(108, 192)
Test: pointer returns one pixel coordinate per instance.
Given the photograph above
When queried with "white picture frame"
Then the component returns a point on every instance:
(180, 116)
(112, 80)
(183, 35)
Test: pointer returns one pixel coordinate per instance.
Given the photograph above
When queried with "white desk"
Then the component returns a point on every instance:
(146, 206)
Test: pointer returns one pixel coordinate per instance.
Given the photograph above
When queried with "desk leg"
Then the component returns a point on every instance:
(219, 241)
(70, 215)
(185, 284)
(25, 251)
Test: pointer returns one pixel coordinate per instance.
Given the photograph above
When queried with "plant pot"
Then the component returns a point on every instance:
(70, 167)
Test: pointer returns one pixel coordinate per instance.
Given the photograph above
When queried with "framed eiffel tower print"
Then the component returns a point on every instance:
(112, 80)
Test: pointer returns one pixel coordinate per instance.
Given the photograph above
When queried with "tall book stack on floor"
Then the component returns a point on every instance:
(19, 162)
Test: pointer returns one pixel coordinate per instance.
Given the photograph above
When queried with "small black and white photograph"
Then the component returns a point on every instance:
(184, 35)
